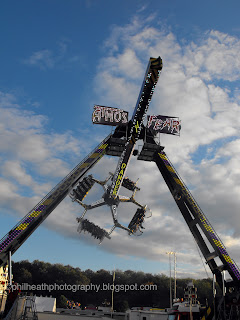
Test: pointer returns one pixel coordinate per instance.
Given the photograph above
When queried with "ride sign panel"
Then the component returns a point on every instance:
(164, 124)
(109, 116)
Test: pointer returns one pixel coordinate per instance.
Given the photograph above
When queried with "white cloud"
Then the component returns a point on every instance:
(49, 59)
(30, 158)
(15, 170)
(124, 63)
(55, 168)
(7, 189)
(198, 85)
(7, 100)
(214, 57)
(43, 59)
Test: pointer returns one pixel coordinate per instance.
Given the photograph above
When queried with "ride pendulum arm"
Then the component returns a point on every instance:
(134, 129)
(135, 125)
(123, 147)
(198, 224)
(17, 235)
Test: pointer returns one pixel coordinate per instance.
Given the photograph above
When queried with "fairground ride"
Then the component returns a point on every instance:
(122, 143)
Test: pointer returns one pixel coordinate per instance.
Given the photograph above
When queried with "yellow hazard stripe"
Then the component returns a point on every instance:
(34, 213)
(47, 202)
(217, 243)
(161, 155)
(22, 226)
(103, 146)
(170, 168)
(178, 181)
(209, 310)
(227, 258)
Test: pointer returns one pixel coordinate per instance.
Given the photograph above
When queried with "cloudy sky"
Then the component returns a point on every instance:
(58, 59)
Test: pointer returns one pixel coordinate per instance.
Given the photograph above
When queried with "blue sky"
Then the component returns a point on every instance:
(59, 58)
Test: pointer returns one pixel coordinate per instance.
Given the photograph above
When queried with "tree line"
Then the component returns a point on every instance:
(132, 288)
